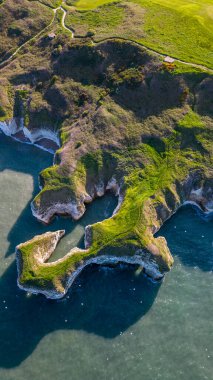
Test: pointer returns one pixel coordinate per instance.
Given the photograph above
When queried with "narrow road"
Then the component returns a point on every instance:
(63, 20)
(71, 31)
(7, 60)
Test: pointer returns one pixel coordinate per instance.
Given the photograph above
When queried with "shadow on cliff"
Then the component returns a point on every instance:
(103, 301)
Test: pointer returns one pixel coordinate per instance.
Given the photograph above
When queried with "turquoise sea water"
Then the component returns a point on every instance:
(115, 323)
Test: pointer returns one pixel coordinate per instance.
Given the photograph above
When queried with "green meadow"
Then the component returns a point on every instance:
(91, 4)
(180, 28)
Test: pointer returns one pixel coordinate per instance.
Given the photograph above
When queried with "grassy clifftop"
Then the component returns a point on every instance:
(128, 122)
(151, 195)
(179, 28)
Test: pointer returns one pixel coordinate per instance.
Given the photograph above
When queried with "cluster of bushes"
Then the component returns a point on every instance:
(2, 112)
(132, 77)
(14, 31)
(20, 105)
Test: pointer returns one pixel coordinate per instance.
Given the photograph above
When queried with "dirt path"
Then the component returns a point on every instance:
(63, 20)
(71, 31)
(9, 59)
(161, 55)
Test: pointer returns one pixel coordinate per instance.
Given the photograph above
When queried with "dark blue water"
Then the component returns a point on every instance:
(114, 323)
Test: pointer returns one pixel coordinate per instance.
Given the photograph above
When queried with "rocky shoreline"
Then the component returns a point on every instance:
(42, 138)
(147, 137)
(146, 258)
(201, 196)
(76, 209)
(149, 267)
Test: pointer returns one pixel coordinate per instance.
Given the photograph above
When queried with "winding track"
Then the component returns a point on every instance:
(63, 20)
(161, 55)
(9, 59)
(70, 30)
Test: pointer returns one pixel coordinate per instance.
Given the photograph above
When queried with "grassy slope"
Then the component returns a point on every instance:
(90, 4)
(182, 29)
(20, 21)
(129, 226)
(51, 3)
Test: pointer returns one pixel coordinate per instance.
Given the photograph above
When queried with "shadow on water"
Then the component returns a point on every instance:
(94, 213)
(30, 164)
(26, 226)
(189, 234)
(102, 301)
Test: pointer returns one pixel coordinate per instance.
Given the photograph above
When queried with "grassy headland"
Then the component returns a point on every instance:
(127, 121)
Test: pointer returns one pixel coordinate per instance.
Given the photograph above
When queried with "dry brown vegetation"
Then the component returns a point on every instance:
(20, 20)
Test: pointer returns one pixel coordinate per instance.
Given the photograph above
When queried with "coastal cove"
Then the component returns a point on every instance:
(111, 316)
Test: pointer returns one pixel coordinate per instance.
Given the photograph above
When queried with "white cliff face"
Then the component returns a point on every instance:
(120, 201)
(202, 198)
(10, 128)
(41, 255)
(41, 133)
(113, 186)
(99, 189)
(209, 206)
(72, 208)
(197, 193)
(148, 265)
(141, 258)
(88, 236)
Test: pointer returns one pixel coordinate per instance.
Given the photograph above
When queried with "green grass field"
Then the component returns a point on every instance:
(91, 4)
(200, 9)
(180, 28)
(51, 3)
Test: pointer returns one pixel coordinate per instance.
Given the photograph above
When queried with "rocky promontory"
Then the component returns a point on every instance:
(152, 254)
(129, 123)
